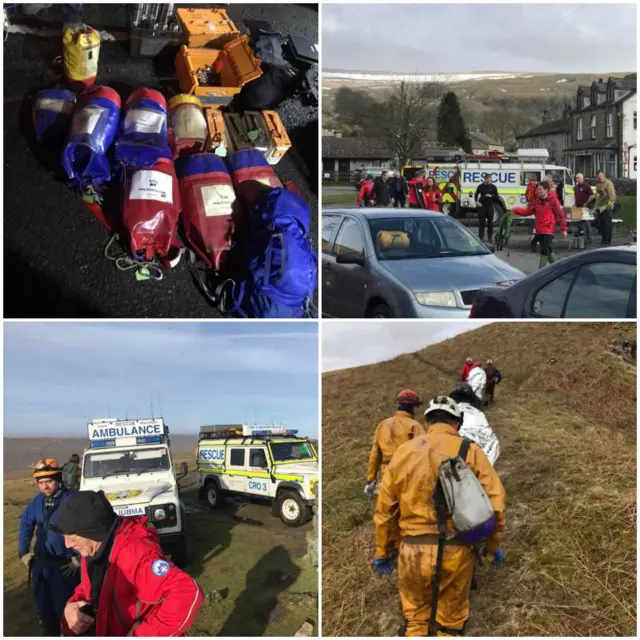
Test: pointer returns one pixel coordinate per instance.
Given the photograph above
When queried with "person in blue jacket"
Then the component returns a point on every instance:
(54, 570)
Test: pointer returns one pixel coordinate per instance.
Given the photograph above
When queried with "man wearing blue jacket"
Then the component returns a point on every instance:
(53, 569)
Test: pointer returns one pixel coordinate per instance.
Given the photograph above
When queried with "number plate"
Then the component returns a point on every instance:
(129, 511)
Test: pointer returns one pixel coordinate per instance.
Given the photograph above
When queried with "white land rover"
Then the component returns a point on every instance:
(130, 460)
(262, 462)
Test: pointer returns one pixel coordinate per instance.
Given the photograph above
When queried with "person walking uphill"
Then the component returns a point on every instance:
(391, 434)
(486, 195)
(466, 369)
(605, 203)
(494, 377)
(128, 588)
(406, 525)
(548, 213)
(53, 569)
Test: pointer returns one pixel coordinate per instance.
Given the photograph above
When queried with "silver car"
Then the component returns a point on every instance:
(390, 263)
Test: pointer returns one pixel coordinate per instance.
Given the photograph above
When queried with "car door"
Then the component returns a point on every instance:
(599, 289)
(330, 225)
(236, 469)
(258, 465)
(350, 280)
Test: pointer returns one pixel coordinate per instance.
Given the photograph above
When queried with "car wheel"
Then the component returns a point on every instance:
(380, 311)
(213, 495)
(291, 509)
(497, 215)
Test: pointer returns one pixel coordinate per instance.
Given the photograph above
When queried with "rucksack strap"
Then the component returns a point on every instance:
(464, 449)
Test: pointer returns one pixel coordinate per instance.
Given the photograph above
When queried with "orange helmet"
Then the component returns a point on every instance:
(46, 468)
(407, 396)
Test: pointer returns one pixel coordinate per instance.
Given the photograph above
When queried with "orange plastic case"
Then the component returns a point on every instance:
(280, 142)
(239, 67)
(207, 27)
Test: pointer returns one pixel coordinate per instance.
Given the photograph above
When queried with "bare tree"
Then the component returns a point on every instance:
(408, 118)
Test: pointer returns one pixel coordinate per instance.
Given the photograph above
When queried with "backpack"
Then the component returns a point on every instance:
(467, 503)
(70, 475)
(282, 266)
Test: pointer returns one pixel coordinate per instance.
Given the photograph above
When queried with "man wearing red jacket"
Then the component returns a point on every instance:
(548, 213)
(417, 188)
(127, 587)
(366, 195)
(466, 369)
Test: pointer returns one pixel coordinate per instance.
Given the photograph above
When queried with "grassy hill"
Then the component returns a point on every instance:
(565, 414)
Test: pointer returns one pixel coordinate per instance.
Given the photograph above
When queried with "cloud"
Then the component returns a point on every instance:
(556, 38)
(351, 344)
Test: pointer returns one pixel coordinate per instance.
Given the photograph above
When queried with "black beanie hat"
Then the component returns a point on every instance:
(86, 513)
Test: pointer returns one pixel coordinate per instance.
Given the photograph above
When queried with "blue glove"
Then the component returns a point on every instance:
(385, 566)
(498, 561)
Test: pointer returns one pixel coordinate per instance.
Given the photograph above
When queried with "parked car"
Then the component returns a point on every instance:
(359, 174)
(386, 263)
(593, 284)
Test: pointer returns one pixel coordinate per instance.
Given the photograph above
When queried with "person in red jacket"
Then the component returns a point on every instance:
(417, 187)
(127, 587)
(466, 369)
(548, 213)
(433, 195)
(366, 193)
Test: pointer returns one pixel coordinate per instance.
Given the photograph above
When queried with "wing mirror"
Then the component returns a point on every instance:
(350, 257)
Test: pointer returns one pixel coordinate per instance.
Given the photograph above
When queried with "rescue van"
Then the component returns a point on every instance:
(511, 175)
(130, 460)
(268, 462)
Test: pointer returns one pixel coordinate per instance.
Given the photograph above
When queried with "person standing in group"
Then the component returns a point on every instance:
(406, 523)
(391, 434)
(584, 198)
(366, 197)
(382, 191)
(486, 196)
(532, 189)
(548, 214)
(128, 588)
(54, 569)
(399, 190)
(432, 195)
(71, 472)
(605, 203)
(417, 186)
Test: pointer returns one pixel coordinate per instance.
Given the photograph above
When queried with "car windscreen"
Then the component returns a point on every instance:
(407, 238)
(285, 451)
(112, 463)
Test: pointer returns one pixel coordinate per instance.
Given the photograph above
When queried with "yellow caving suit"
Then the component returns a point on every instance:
(390, 435)
(405, 514)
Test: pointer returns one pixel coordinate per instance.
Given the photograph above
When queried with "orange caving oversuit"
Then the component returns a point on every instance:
(391, 434)
(406, 521)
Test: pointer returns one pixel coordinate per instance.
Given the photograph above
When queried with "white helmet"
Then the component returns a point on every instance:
(444, 403)
(469, 360)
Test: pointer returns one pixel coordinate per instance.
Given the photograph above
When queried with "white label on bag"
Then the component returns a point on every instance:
(89, 64)
(57, 105)
(151, 185)
(189, 123)
(85, 120)
(218, 199)
(143, 121)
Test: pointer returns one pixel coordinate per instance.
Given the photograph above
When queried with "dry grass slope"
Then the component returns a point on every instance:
(565, 416)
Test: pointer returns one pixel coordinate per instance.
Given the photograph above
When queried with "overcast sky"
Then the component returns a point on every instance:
(350, 344)
(58, 376)
(448, 38)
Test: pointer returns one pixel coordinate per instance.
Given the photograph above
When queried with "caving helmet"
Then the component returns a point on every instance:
(46, 468)
(444, 403)
(407, 396)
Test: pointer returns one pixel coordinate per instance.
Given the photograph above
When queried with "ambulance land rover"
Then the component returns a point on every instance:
(257, 461)
(511, 175)
(130, 460)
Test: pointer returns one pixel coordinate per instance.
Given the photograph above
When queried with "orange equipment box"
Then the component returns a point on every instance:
(207, 27)
(279, 139)
(237, 65)
(217, 131)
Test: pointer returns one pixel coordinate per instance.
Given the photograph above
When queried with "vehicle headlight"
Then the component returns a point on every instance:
(159, 514)
(436, 298)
